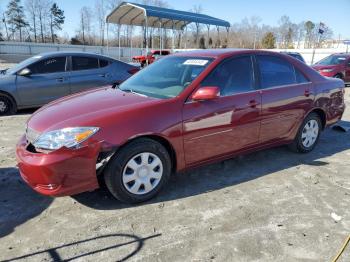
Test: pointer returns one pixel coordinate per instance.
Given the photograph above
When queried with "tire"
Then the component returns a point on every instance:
(300, 144)
(129, 164)
(7, 105)
(338, 76)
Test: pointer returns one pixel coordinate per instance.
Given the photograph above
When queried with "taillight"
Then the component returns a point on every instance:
(133, 70)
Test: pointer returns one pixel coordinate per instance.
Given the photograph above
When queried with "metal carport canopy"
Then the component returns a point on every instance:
(151, 16)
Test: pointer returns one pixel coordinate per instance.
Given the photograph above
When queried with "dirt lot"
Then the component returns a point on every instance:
(273, 205)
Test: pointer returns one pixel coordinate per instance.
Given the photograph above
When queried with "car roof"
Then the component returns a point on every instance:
(341, 54)
(212, 52)
(225, 52)
(290, 53)
(62, 53)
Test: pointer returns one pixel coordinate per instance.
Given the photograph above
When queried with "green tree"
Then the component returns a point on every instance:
(56, 20)
(268, 41)
(202, 43)
(75, 41)
(15, 17)
(309, 27)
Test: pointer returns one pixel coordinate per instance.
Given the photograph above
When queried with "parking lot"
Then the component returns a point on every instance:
(273, 205)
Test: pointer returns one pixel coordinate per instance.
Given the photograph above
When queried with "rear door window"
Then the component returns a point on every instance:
(50, 65)
(300, 77)
(275, 71)
(104, 63)
(84, 63)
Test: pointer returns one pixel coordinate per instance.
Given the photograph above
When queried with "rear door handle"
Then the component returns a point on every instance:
(253, 103)
(307, 93)
(60, 79)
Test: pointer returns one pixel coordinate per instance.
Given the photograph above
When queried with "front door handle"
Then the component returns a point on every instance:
(104, 75)
(60, 79)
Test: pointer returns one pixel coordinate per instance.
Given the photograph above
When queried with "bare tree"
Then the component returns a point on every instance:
(197, 26)
(43, 16)
(300, 32)
(32, 12)
(86, 27)
(101, 12)
(285, 32)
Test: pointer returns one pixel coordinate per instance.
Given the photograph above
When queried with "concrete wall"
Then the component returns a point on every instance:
(17, 51)
(14, 52)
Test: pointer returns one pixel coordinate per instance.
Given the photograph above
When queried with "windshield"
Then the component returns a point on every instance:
(332, 60)
(166, 78)
(23, 64)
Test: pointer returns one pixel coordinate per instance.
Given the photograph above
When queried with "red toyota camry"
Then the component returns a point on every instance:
(185, 110)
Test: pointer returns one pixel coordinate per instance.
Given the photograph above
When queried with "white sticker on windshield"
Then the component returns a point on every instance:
(197, 62)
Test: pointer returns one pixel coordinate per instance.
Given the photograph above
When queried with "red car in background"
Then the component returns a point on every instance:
(150, 57)
(185, 110)
(337, 65)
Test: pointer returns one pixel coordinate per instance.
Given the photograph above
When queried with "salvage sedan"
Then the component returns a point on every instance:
(43, 78)
(183, 111)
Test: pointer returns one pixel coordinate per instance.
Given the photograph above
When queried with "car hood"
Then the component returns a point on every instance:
(320, 67)
(86, 109)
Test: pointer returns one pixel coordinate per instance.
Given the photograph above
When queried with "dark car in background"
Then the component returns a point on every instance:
(43, 78)
(336, 65)
(295, 55)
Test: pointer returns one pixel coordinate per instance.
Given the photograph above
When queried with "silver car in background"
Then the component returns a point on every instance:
(43, 78)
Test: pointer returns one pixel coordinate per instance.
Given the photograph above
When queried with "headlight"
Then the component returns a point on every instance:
(326, 70)
(69, 137)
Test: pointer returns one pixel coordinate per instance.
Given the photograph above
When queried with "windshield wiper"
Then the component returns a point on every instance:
(129, 90)
(3, 72)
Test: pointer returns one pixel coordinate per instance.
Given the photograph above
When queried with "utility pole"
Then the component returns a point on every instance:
(321, 29)
(4, 20)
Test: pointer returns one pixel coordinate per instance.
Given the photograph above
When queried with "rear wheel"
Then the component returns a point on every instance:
(308, 134)
(138, 171)
(7, 105)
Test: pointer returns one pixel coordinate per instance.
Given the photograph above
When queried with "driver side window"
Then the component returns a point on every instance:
(232, 76)
(50, 65)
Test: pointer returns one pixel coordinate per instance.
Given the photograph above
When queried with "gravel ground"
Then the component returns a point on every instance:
(5, 65)
(273, 205)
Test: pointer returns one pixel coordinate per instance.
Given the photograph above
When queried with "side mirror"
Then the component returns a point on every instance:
(206, 93)
(25, 72)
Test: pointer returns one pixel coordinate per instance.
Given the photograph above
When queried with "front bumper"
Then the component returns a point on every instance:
(60, 173)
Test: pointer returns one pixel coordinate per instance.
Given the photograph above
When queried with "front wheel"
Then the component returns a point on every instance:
(308, 134)
(7, 105)
(338, 76)
(138, 171)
